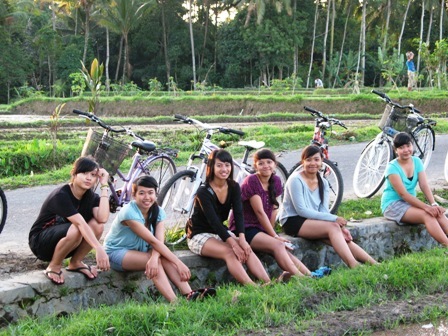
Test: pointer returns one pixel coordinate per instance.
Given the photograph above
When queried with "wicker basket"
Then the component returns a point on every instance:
(108, 152)
(393, 117)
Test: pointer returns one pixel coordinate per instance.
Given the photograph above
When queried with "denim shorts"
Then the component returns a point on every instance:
(396, 210)
(116, 259)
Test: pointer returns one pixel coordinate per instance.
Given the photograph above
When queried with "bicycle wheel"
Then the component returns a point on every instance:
(281, 172)
(3, 210)
(176, 198)
(371, 166)
(331, 173)
(162, 169)
(445, 169)
(424, 136)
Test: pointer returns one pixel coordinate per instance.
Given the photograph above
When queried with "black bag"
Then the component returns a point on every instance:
(189, 228)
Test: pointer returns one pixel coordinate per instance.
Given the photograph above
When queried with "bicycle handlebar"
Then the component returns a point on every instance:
(387, 99)
(319, 114)
(191, 121)
(97, 120)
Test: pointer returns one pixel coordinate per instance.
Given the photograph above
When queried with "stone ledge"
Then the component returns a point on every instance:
(33, 295)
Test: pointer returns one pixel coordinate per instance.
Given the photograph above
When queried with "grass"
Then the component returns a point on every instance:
(285, 137)
(297, 306)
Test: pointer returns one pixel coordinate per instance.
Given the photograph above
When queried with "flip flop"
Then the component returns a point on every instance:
(83, 268)
(47, 272)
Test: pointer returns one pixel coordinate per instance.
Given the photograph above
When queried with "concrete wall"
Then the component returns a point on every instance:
(33, 295)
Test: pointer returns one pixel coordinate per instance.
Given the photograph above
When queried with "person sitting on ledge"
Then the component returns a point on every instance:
(135, 242)
(259, 194)
(399, 202)
(71, 221)
(208, 236)
(305, 211)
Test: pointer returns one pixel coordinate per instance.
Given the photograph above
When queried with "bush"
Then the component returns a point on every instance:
(36, 156)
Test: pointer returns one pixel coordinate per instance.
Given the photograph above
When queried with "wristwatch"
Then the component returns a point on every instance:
(434, 204)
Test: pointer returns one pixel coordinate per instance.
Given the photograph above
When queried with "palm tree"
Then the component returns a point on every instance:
(403, 25)
(122, 15)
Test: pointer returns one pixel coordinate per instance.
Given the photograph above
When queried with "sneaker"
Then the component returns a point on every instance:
(317, 274)
(325, 270)
(321, 272)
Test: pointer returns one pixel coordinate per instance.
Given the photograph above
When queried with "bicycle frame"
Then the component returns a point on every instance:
(206, 148)
(123, 194)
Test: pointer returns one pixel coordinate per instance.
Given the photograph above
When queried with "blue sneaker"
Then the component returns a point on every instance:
(325, 270)
(317, 274)
(321, 272)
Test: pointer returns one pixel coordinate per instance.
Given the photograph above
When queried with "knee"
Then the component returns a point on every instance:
(277, 247)
(97, 228)
(334, 227)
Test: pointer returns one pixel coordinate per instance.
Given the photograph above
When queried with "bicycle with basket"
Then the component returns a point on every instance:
(371, 166)
(329, 170)
(177, 196)
(110, 153)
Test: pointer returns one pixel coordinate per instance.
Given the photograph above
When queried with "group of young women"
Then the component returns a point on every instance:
(71, 221)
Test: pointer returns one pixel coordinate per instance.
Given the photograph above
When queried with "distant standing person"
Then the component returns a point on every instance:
(318, 83)
(411, 70)
(71, 221)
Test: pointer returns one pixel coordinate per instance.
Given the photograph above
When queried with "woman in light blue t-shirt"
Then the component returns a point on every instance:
(399, 202)
(135, 242)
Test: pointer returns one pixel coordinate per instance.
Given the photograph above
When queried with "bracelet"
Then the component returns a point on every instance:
(434, 204)
(104, 186)
(104, 196)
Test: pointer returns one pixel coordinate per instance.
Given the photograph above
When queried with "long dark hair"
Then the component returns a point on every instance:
(268, 154)
(221, 155)
(308, 152)
(153, 213)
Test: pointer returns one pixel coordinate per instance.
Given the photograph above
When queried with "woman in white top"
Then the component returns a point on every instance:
(305, 211)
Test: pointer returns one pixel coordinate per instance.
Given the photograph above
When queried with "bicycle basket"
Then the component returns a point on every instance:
(108, 152)
(393, 117)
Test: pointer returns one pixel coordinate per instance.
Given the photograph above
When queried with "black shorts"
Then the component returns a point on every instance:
(251, 232)
(44, 243)
(293, 225)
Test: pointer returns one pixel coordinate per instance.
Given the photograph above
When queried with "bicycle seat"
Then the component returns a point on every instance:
(145, 145)
(251, 144)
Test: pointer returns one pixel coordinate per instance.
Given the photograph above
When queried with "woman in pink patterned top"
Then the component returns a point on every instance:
(259, 194)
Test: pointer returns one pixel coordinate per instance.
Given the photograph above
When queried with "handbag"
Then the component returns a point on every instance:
(189, 228)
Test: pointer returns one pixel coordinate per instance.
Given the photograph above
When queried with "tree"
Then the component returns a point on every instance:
(122, 16)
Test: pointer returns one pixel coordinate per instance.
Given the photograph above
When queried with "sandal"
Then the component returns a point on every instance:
(47, 273)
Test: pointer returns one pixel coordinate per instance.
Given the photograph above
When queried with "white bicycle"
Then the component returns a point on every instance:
(371, 166)
(177, 196)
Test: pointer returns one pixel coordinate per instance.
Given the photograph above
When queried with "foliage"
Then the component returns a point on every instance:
(92, 79)
(35, 157)
(78, 83)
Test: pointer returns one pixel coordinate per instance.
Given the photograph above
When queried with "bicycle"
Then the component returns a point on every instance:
(329, 169)
(110, 153)
(3, 209)
(177, 196)
(371, 166)
(445, 169)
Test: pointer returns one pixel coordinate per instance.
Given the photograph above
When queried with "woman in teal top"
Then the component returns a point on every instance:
(399, 202)
(135, 242)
